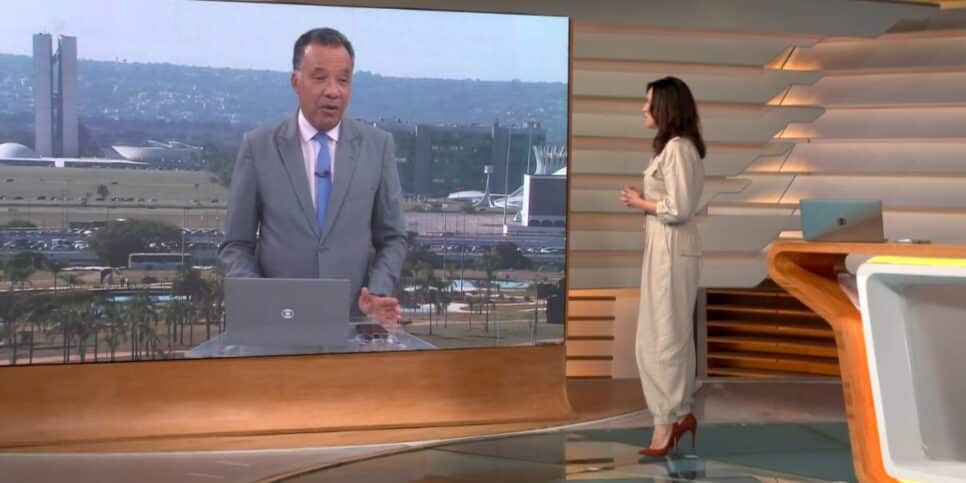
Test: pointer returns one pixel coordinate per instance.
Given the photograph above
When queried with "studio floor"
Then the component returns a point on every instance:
(749, 431)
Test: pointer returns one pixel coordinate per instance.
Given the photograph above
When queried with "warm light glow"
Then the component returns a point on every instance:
(797, 130)
(777, 100)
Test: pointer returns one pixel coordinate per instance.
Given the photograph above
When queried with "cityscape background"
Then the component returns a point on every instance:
(114, 168)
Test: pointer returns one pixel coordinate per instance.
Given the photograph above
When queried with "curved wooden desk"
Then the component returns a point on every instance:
(808, 271)
(49, 406)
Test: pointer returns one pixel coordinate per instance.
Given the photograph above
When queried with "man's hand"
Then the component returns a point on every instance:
(382, 309)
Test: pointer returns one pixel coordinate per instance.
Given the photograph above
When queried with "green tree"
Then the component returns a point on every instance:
(418, 256)
(36, 310)
(115, 330)
(118, 239)
(71, 279)
(140, 313)
(21, 266)
(65, 314)
(212, 302)
(188, 282)
(190, 317)
(510, 256)
(424, 279)
(98, 324)
(55, 267)
(87, 326)
(15, 311)
(171, 314)
(63, 324)
(489, 263)
(34, 259)
(10, 326)
(75, 324)
(218, 163)
(452, 274)
(421, 253)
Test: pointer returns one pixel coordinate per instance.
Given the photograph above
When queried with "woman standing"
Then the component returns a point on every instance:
(673, 182)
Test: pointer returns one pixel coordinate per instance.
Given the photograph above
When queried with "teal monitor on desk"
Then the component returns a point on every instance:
(841, 220)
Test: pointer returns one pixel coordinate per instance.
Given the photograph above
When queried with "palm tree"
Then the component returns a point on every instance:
(151, 341)
(139, 314)
(17, 275)
(66, 319)
(37, 315)
(216, 293)
(172, 319)
(211, 302)
(19, 309)
(22, 265)
(442, 298)
(488, 262)
(69, 312)
(451, 274)
(86, 326)
(424, 280)
(55, 268)
(116, 329)
(98, 323)
(176, 314)
(190, 317)
(219, 291)
(8, 314)
(188, 282)
(182, 319)
(10, 336)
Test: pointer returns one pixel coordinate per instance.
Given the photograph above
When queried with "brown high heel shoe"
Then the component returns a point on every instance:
(688, 424)
(659, 452)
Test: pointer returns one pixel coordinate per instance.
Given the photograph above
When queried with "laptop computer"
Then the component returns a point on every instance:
(841, 220)
(284, 312)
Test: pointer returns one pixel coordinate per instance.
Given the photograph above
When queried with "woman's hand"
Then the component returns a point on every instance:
(631, 197)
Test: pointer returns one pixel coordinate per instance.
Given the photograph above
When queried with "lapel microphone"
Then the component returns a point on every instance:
(323, 174)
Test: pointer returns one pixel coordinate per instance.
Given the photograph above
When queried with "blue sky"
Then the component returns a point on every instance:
(403, 43)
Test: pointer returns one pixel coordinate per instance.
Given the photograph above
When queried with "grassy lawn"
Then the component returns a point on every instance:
(156, 195)
(194, 197)
(163, 185)
(506, 324)
(463, 333)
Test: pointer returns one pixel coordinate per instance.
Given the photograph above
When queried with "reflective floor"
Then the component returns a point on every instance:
(749, 431)
(724, 452)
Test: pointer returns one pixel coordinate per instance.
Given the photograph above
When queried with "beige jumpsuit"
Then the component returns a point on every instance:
(669, 280)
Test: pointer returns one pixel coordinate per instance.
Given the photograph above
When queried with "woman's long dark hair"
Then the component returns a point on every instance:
(675, 112)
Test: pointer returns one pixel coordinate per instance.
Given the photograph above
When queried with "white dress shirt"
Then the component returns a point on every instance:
(310, 149)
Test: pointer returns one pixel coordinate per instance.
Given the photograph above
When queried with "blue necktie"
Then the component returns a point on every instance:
(323, 178)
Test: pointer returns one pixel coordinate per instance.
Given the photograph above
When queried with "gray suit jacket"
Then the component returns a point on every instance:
(271, 228)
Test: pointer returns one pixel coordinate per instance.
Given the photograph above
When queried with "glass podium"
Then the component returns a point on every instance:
(365, 336)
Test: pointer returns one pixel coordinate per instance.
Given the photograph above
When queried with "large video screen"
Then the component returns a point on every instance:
(160, 183)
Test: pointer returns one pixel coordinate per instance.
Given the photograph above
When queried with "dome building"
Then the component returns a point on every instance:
(16, 151)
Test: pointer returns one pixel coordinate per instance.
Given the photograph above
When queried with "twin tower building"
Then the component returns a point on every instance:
(55, 97)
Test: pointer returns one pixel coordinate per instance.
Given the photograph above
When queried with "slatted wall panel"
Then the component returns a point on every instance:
(590, 336)
(765, 332)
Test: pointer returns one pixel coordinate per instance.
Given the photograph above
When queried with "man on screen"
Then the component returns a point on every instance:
(317, 195)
